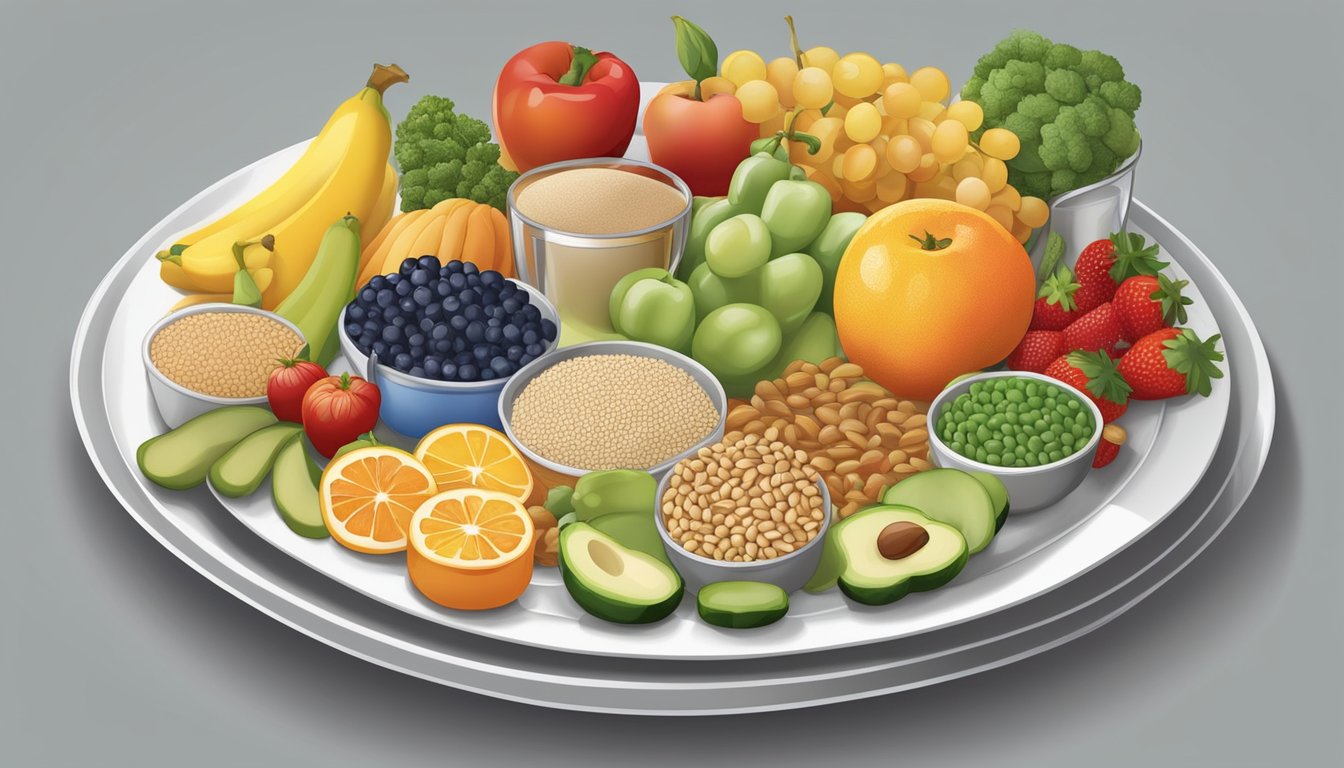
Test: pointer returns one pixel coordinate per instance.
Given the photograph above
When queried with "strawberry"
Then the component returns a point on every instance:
(1037, 350)
(1171, 362)
(1093, 374)
(1104, 264)
(1145, 303)
(1108, 447)
(1098, 329)
(1055, 307)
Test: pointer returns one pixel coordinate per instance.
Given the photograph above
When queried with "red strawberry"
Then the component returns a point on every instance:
(1055, 306)
(1104, 264)
(1171, 362)
(1093, 374)
(1108, 447)
(1098, 329)
(1145, 304)
(1037, 350)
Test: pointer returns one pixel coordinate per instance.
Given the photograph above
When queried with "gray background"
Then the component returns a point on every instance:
(116, 653)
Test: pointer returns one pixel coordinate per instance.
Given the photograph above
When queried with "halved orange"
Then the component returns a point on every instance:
(471, 549)
(368, 495)
(473, 456)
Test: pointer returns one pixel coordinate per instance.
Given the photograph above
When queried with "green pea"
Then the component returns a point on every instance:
(1015, 396)
(1033, 389)
(1035, 444)
(983, 433)
(1066, 438)
(992, 458)
(994, 446)
(1034, 401)
(1056, 455)
(1074, 405)
(1019, 463)
(996, 397)
(981, 454)
(1030, 460)
(1020, 450)
(1009, 442)
(957, 447)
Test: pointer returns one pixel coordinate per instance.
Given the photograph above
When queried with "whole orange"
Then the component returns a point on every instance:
(928, 290)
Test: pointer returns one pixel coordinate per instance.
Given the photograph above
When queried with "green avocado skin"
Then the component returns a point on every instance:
(240, 471)
(899, 589)
(181, 458)
(742, 604)
(294, 482)
(997, 494)
(609, 609)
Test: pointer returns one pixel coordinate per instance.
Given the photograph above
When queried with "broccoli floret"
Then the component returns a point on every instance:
(443, 155)
(1072, 110)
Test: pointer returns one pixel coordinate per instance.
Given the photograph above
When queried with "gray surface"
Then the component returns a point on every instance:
(115, 653)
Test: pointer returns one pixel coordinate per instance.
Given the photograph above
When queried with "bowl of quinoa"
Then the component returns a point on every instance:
(612, 405)
(211, 355)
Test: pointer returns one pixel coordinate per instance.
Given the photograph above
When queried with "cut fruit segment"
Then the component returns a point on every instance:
(949, 496)
(471, 549)
(474, 456)
(368, 496)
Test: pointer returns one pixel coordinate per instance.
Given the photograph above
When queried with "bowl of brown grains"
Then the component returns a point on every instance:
(612, 405)
(210, 355)
(749, 507)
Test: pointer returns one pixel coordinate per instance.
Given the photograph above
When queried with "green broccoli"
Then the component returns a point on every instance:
(443, 155)
(1072, 110)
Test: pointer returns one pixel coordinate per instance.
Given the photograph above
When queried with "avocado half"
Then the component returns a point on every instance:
(870, 578)
(614, 582)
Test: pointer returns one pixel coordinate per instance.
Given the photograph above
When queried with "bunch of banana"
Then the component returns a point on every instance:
(344, 170)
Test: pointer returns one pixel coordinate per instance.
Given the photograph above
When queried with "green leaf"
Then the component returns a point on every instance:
(1103, 380)
(1133, 256)
(695, 50)
(1059, 289)
(1173, 303)
(1196, 359)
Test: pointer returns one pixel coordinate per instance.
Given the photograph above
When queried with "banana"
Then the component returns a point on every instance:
(382, 210)
(361, 137)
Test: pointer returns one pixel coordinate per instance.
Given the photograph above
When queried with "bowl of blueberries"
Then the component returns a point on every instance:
(440, 341)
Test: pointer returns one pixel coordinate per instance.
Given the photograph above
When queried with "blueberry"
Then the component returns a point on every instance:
(379, 348)
(377, 282)
(488, 374)
(363, 343)
(460, 344)
(469, 296)
(531, 313)
(493, 334)
(433, 312)
(492, 279)
(548, 329)
(416, 339)
(534, 350)
(498, 313)
(531, 337)
(490, 298)
(449, 372)
(443, 346)
(423, 295)
(511, 305)
(450, 305)
(393, 279)
(425, 325)
(403, 288)
(525, 359)
(407, 304)
(467, 372)
(395, 349)
(368, 295)
(391, 334)
(429, 262)
(473, 281)
(475, 332)
(469, 268)
(402, 362)
(501, 365)
(354, 313)
(494, 322)
(353, 329)
(432, 367)
(459, 323)
(441, 288)
(385, 297)
(454, 266)
(438, 332)
(463, 358)
(407, 267)
(391, 313)
(514, 353)
(511, 333)
(457, 281)
(482, 354)
(417, 371)
(419, 277)
(473, 312)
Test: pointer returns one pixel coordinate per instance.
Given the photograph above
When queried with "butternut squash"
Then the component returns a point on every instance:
(454, 230)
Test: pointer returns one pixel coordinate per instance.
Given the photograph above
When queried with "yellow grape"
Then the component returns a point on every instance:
(901, 100)
(949, 141)
(892, 187)
(838, 165)
(875, 205)
(847, 102)
(903, 153)
(894, 73)
(927, 170)
(759, 100)
(859, 191)
(968, 113)
(821, 57)
(860, 162)
(743, 67)
(995, 174)
(805, 118)
(863, 123)
(837, 110)
(1001, 143)
(895, 126)
(857, 75)
(712, 86)
(1021, 231)
(775, 124)
(1008, 197)
(932, 111)
(780, 73)
(1034, 211)
(931, 82)
(939, 187)
(827, 130)
(1001, 214)
(812, 88)
(922, 130)
(879, 146)
(968, 166)
(973, 192)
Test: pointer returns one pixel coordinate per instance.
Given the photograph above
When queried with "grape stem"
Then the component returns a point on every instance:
(793, 41)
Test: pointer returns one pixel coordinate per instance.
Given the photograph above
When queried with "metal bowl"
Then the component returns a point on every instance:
(177, 404)
(532, 370)
(788, 572)
(1089, 213)
(1029, 488)
(415, 406)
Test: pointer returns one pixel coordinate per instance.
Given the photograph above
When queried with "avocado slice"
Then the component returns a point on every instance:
(949, 496)
(828, 569)
(616, 583)
(742, 604)
(294, 484)
(873, 578)
(634, 530)
(240, 471)
(998, 493)
(181, 458)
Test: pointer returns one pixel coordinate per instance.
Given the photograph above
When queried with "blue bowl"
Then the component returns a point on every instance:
(415, 406)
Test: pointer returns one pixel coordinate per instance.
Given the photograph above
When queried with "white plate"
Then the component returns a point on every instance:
(1171, 445)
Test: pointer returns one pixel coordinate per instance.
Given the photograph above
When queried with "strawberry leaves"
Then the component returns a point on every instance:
(1133, 256)
(1168, 294)
(1103, 380)
(1059, 289)
(1196, 360)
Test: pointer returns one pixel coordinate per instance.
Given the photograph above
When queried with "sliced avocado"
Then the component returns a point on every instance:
(828, 569)
(742, 604)
(635, 530)
(998, 493)
(181, 458)
(613, 582)
(240, 471)
(294, 483)
(873, 577)
(614, 490)
(949, 496)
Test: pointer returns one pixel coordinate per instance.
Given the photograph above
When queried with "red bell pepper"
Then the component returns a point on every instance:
(555, 101)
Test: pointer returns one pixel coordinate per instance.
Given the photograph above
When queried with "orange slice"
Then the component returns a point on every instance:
(473, 456)
(368, 495)
(470, 549)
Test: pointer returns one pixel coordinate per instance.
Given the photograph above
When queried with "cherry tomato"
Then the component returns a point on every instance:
(287, 386)
(337, 410)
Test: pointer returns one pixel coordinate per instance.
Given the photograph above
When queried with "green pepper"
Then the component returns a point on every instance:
(796, 212)
(828, 249)
(752, 180)
(709, 216)
(738, 246)
(651, 305)
(789, 287)
(613, 491)
(712, 291)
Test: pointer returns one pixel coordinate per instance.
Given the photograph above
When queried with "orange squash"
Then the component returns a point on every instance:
(454, 230)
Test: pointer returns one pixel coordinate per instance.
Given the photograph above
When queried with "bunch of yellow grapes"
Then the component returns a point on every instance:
(885, 135)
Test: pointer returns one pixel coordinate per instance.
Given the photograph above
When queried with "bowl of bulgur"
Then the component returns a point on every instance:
(612, 405)
(211, 355)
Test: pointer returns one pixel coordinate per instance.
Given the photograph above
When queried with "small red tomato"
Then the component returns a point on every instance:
(287, 386)
(337, 410)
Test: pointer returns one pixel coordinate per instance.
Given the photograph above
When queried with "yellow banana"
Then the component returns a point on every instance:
(382, 209)
(354, 185)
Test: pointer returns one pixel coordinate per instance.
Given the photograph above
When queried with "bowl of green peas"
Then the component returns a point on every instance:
(1036, 434)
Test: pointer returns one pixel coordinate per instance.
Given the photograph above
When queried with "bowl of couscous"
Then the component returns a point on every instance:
(612, 405)
(211, 355)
